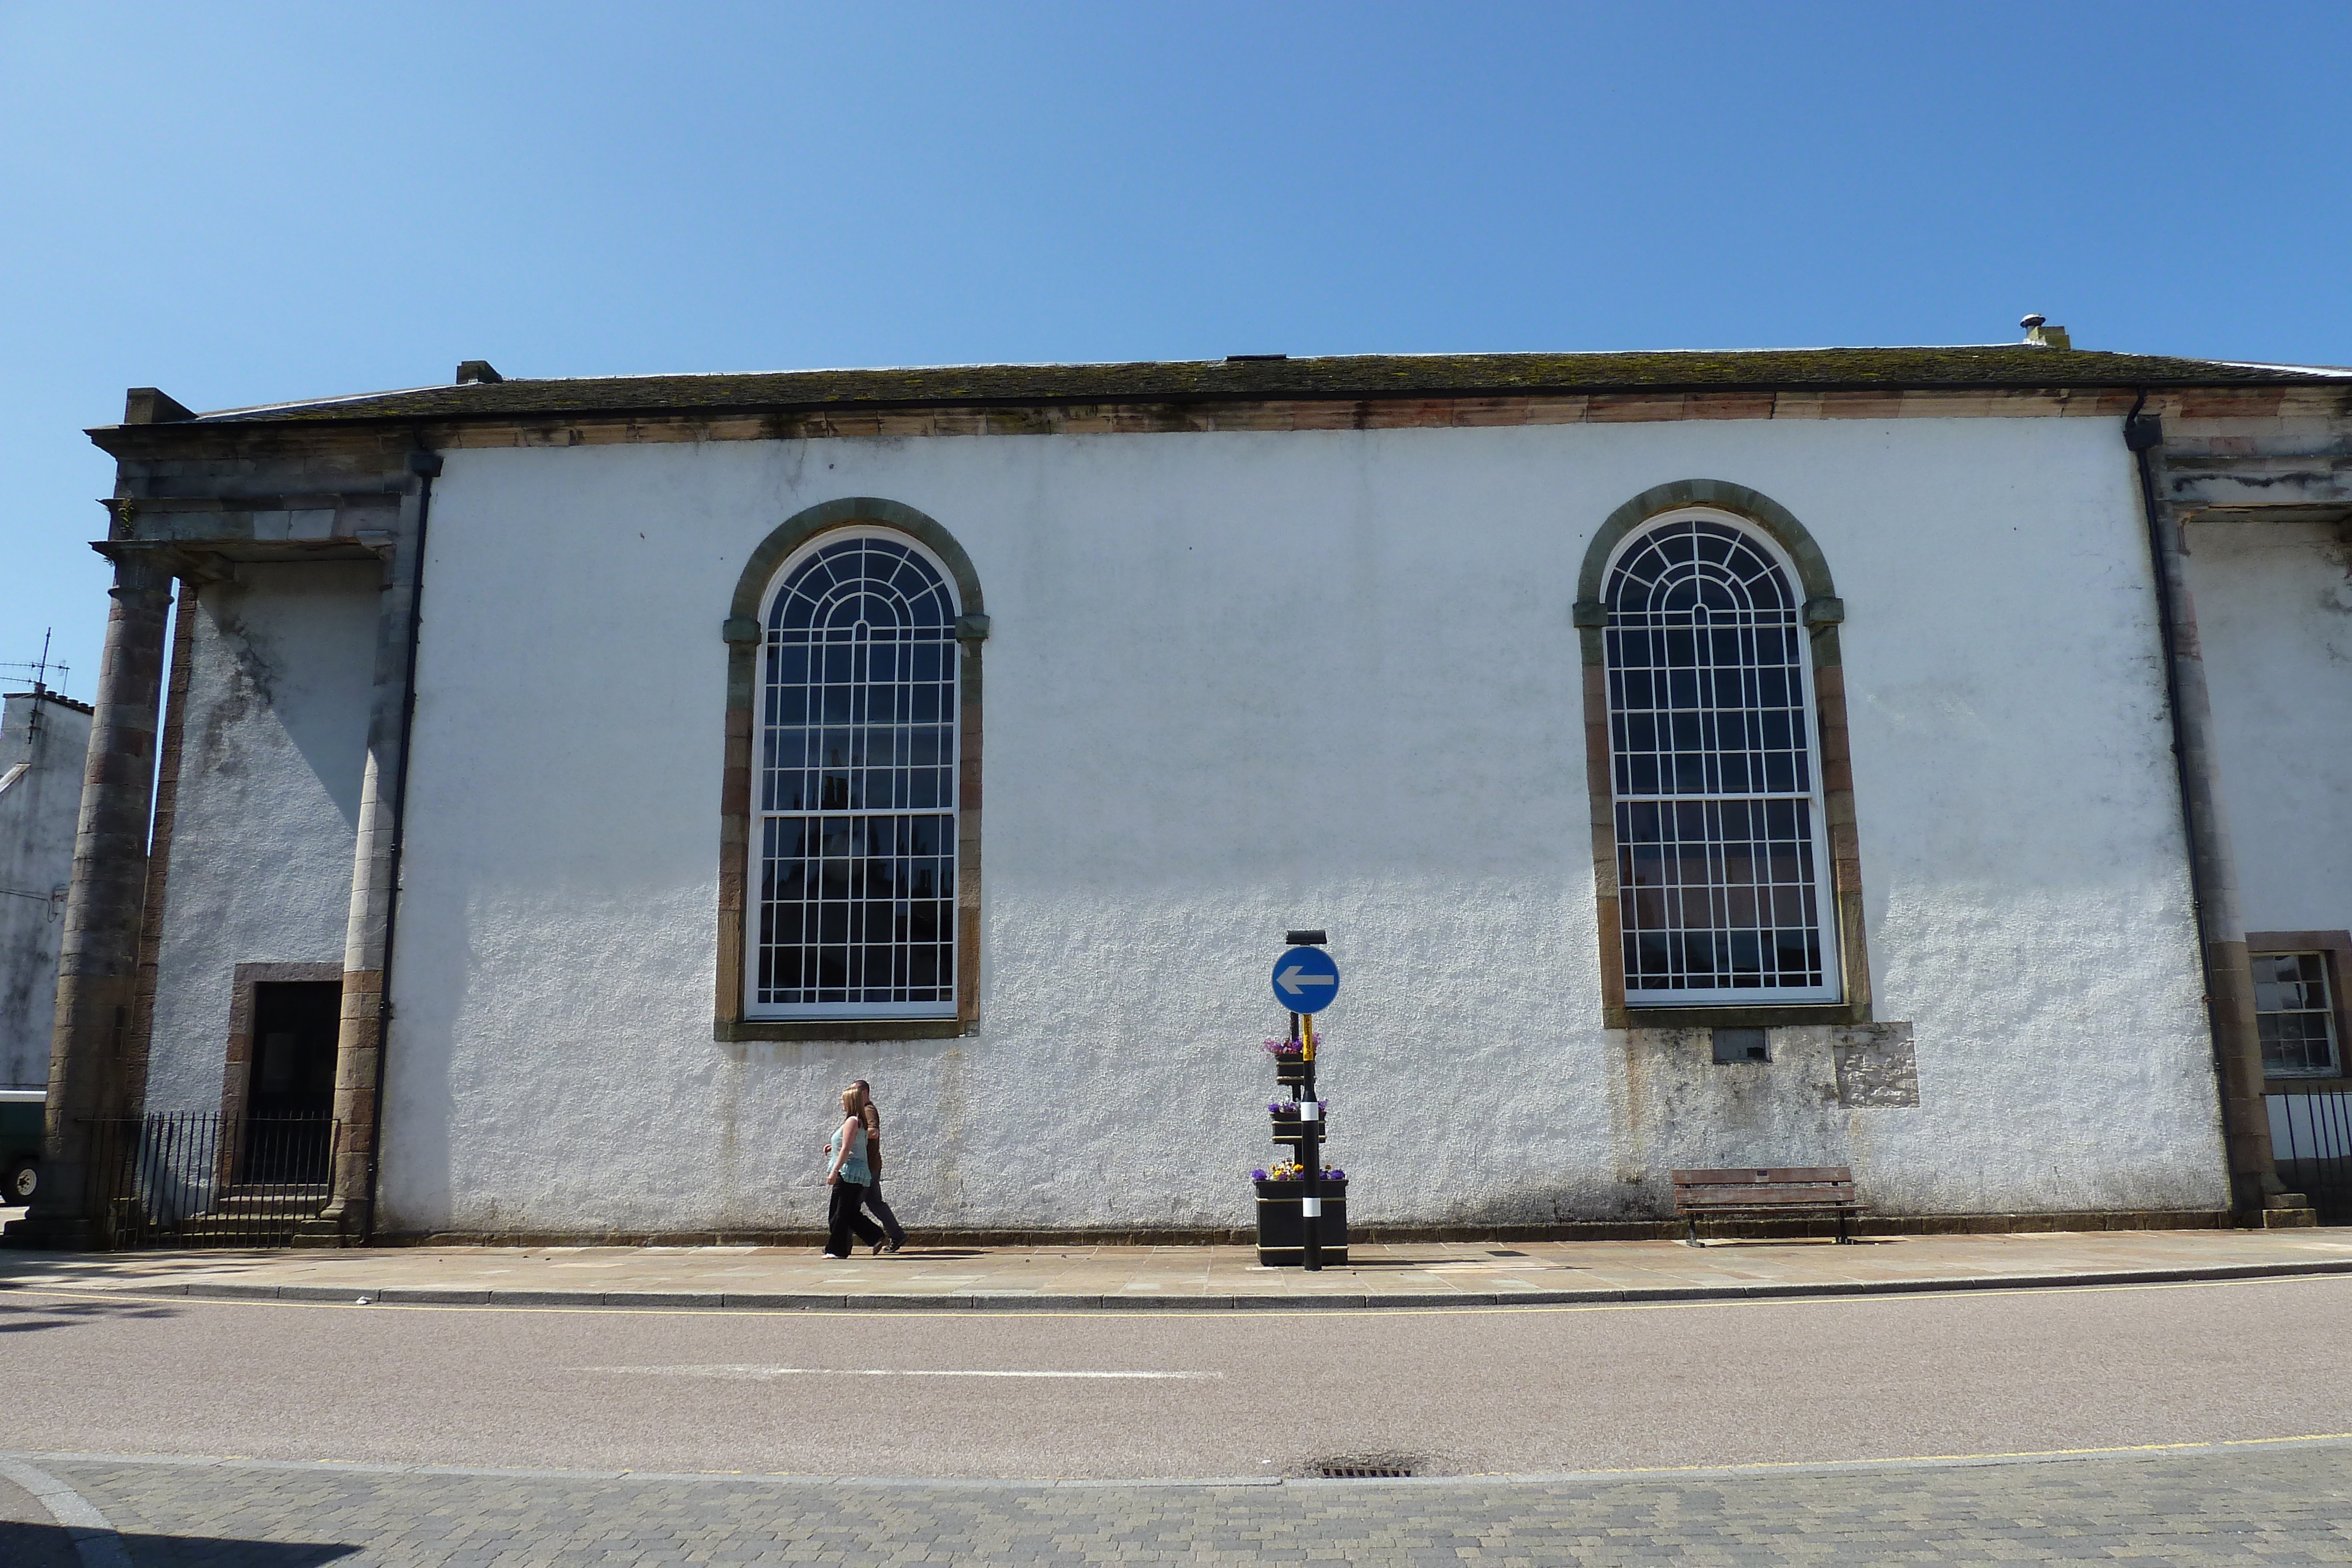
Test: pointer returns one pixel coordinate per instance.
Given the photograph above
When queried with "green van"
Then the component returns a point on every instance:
(20, 1143)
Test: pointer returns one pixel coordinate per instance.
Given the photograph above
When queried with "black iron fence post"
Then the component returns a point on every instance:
(203, 1179)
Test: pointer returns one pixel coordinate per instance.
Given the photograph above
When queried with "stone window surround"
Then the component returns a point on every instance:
(236, 1067)
(1823, 611)
(2336, 949)
(744, 635)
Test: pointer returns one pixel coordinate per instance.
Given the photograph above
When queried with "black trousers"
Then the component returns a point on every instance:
(881, 1211)
(843, 1218)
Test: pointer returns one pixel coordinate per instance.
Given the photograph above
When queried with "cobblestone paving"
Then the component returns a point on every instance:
(2265, 1504)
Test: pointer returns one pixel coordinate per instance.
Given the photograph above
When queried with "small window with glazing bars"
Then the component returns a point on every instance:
(2295, 1015)
(854, 851)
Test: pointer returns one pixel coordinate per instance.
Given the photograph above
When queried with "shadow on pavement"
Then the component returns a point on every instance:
(19, 1315)
(52, 1546)
(1762, 1243)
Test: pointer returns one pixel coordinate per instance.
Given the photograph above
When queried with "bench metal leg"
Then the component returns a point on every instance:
(1690, 1233)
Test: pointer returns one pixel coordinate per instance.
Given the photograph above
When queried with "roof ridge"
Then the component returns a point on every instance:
(1317, 377)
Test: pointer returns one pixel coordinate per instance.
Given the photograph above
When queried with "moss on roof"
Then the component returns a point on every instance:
(1349, 376)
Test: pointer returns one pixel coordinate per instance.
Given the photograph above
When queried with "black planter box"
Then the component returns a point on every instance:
(1290, 1071)
(1282, 1228)
(1291, 1130)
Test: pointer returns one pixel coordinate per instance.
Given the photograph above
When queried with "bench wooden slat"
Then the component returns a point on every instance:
(1765, 1195)
(1772, 1197)
(1763, 1173)
(1765, 1191)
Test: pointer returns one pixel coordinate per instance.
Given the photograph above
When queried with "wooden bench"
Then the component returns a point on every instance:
(1798, 1191)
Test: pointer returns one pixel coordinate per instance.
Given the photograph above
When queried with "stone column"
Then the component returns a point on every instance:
(2254, 1185)
(89, 1076)
(367, 932)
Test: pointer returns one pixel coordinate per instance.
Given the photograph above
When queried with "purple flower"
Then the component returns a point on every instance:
(1257, 1175)
(1336, 1176)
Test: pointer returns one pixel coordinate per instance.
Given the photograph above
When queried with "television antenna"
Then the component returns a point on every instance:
(41, 667)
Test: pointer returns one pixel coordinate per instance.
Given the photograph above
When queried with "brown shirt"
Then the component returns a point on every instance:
(873, 1119)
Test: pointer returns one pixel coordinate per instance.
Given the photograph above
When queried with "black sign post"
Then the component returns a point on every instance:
(1310, 1123)
(1310, 1146)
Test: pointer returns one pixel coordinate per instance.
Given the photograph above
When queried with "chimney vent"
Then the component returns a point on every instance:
(474, 372)
(2045, 337)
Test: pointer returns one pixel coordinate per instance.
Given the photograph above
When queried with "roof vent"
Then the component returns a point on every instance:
(146, 405)
(2045, 337)
(1254, 359)
(470, 372)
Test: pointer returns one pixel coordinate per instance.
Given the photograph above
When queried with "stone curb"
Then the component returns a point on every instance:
(1635, 1475)
(1018, 1302)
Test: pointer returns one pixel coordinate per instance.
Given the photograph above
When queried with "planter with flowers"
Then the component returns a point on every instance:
(1283, 1188)
(1282, 1226)
(1290, 1065)
(1290, 1127)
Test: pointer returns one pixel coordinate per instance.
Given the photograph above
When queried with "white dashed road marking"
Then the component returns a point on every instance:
(765, 1372)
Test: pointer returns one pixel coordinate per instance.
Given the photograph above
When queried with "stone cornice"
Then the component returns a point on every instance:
(378, 440)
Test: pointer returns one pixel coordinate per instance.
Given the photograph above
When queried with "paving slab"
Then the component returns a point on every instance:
(1395, 1274)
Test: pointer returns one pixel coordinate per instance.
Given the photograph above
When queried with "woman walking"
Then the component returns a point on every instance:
(879, 1210)
(846, 1173)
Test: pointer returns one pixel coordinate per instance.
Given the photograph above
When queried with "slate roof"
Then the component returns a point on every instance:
(1337, 377)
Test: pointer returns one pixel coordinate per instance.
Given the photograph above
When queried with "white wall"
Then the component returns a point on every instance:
(40, 809)
(2274, 611)
(273, 747)
(1238, 683)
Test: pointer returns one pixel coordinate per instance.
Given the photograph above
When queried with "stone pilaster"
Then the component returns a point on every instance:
(375, 869)
(91, 1076)
(2221, 915)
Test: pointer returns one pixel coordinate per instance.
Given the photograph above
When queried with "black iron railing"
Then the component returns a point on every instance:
(202, 1179)
(2311, 1138)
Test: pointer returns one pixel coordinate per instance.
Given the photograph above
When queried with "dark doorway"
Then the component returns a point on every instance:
(289, 1103)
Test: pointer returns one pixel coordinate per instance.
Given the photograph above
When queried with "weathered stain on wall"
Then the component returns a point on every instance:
(2274, 608)
(274, 746)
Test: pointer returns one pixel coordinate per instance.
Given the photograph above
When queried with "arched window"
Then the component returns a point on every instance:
(1722, 846)
(854, 842)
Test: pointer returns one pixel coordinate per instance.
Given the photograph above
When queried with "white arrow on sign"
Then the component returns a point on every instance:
(1293, 977)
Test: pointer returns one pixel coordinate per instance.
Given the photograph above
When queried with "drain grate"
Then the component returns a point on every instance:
(1365, 1466)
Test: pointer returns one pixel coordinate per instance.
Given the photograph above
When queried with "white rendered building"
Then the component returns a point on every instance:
(625, 765)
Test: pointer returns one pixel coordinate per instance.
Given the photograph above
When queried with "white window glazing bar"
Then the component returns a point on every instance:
(1723, 852)
(853, 860)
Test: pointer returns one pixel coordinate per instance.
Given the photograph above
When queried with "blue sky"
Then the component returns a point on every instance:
(247, 202)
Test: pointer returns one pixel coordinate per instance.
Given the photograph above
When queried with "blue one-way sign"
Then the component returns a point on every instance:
(1305, 979)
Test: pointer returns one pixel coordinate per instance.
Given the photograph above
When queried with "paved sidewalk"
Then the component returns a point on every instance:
(1085, 1277)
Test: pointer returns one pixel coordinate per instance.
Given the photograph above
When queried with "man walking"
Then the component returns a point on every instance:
(895, 1236)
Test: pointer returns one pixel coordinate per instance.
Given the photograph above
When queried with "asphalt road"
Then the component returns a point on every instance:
(1254, 1394)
